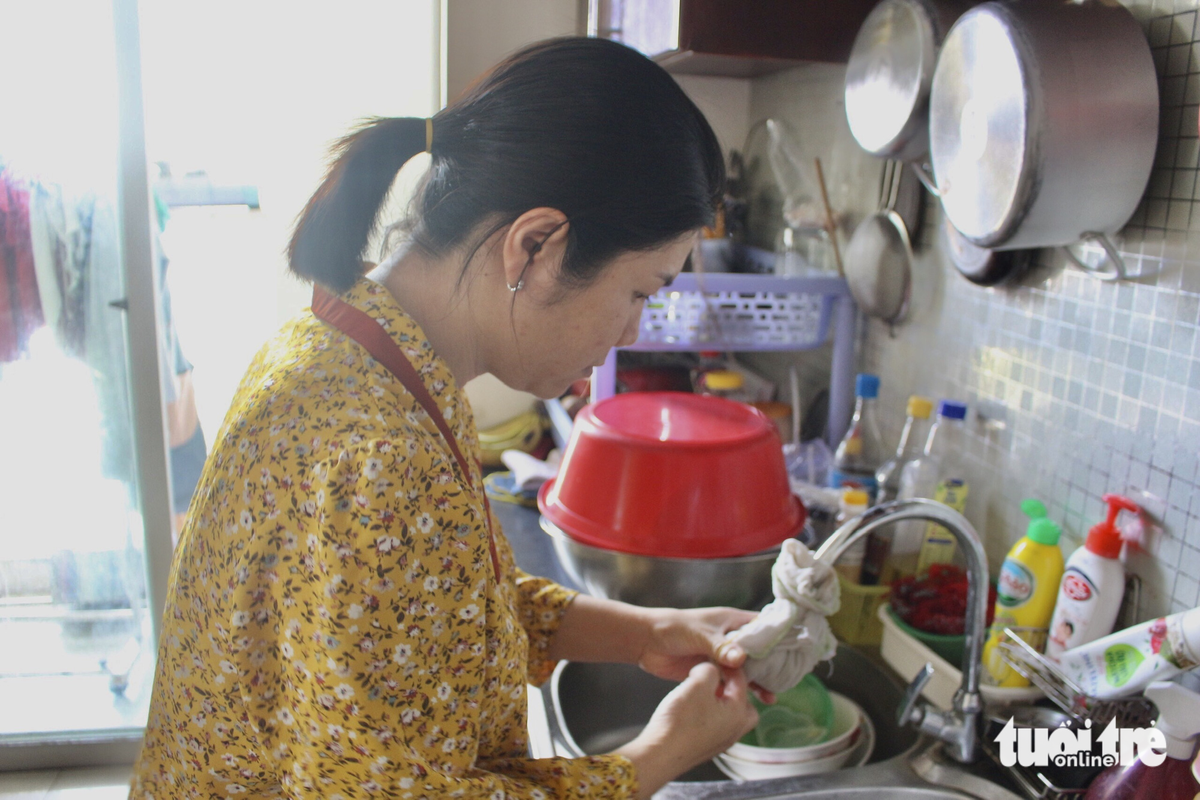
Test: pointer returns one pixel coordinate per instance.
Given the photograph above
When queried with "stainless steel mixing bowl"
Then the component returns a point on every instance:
(740, 582)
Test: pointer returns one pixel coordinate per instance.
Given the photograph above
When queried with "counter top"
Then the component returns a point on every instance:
(531, 546)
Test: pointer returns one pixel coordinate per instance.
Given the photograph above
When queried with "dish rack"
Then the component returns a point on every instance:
(1131, 712)
(1032, 781)
(743, 312)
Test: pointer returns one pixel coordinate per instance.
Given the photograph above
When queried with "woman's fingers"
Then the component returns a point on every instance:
(766, 696)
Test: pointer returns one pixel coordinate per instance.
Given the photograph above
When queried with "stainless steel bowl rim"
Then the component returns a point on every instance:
(759, 555)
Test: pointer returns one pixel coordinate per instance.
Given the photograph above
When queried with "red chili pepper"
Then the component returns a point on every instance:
(937, 602)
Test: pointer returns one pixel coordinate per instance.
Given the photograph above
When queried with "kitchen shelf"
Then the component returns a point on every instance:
(735, 312)
(739, 40)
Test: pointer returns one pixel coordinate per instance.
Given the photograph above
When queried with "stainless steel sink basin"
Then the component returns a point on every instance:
(595, 708)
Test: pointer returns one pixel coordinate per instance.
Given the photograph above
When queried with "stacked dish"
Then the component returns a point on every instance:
(848, 740)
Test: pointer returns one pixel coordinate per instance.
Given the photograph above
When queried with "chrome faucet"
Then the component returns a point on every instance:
(958, 727)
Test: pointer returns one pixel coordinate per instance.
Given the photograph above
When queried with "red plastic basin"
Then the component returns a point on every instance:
(673, 474)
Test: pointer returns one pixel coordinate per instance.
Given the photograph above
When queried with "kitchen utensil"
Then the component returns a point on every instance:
(1039, 783)
(889, 74)
(742, 770)
(907, 657)
(856, 621)
(1044, 124)
(659, 582)
(830, 224)
(982, 265)
(947, 646)
(1131, 712)
(879, 257)
(845, 731)
(801, 716)
(673, 474)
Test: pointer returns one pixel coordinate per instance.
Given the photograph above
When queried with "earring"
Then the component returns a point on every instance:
(520, 285)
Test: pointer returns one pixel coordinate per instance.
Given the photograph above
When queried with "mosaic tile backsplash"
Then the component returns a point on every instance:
(1078, 387)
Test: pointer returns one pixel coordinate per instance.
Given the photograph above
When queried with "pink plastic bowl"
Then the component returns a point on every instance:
(672, 474)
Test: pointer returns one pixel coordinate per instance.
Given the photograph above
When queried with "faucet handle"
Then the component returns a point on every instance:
(907, 706)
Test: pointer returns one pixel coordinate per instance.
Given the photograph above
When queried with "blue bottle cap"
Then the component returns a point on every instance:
(952, 409)
(867, 385)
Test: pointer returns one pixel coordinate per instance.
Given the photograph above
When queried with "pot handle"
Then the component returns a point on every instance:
(1111, 269)
(926, 177)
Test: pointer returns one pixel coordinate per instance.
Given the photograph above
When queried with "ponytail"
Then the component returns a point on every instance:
(583, 125)
(335, 226)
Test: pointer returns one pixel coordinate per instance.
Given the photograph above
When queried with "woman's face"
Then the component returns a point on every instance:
(561, 333)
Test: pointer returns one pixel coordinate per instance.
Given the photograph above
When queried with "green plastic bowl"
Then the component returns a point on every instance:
(948, 647)
(801, 716)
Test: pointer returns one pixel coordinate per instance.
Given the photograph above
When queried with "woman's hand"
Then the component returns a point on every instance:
(680, 639)
(701, 717)
(666, 642)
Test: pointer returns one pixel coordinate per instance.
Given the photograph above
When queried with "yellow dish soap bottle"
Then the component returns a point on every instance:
(1026, 593)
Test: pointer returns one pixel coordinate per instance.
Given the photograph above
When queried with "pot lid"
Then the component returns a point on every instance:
(980, 127)
(888, 77)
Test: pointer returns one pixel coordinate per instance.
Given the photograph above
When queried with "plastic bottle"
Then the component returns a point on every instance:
(912, 444)
(1092, 585)
(1026, 591)
(849, 564)
(861, 450)
(1125, 662)
(887, 479)
(725, 383)
(936, 475)
(1173, 779)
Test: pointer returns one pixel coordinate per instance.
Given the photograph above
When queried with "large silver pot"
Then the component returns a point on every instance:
(1043, 122)
(657, 582)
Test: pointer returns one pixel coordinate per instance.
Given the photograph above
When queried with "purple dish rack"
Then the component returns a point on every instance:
(741, 312)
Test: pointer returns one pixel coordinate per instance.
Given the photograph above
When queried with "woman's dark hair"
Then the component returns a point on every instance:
(586, 126)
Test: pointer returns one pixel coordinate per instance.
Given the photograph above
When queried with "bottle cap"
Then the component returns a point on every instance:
(855, 497)
(952, 409)
(1179, 716)
(1044, 531)
(724, 379)
(1033, 508)
(867, 386)
(1104, 539)
(920, 407)
(1040, 530)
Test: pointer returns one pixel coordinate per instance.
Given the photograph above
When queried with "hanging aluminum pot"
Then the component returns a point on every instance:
(1043, 124)
(889, 74)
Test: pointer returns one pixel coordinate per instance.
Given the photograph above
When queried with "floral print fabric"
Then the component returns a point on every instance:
(333, 626)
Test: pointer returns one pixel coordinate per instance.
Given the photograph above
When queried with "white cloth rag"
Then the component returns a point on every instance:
(791, 634)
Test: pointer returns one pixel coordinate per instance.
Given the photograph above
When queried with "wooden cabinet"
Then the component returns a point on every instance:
(738, 38)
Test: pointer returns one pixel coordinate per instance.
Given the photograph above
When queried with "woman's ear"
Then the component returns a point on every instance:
(533, 248)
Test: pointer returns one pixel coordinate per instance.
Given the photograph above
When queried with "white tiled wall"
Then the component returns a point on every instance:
(1090, 387)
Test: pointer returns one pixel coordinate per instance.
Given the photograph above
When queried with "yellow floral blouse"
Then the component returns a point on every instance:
(334, 628)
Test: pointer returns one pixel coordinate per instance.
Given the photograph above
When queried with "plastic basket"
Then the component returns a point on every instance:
(727, 311)
(857, 620)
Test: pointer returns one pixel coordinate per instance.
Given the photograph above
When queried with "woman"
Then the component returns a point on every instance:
(345, 618)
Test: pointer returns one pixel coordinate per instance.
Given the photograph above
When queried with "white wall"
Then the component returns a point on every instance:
(480, 33)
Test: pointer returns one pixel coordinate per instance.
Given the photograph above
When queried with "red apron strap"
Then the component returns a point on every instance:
(359, 326)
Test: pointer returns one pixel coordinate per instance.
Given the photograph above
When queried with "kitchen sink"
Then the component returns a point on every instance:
(595, 708)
